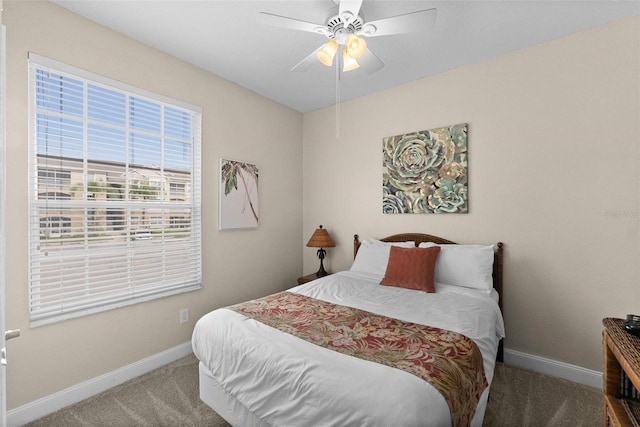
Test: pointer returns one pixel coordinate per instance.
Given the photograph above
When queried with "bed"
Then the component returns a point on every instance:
(366, 346)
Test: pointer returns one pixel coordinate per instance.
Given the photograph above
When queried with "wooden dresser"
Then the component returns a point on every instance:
(621, 375)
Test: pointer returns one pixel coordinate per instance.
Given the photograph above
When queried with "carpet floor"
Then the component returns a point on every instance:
(168, 396)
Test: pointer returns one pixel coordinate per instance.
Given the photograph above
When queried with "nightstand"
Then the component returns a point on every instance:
(309, 277)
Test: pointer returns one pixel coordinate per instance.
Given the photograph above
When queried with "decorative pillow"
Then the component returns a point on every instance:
(373, 255)
(411, 268)
(470, 266)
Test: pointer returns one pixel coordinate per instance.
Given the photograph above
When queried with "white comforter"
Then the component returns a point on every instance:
(286, 381)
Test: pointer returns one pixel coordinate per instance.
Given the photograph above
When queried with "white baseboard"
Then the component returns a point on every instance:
(49, 404)
(553, 367)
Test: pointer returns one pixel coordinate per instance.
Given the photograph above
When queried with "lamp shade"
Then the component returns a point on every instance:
(349, 62)
(320, 239)
(327, 52)
(355, 46)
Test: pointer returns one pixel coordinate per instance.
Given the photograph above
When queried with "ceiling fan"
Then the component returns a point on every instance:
(346, 31)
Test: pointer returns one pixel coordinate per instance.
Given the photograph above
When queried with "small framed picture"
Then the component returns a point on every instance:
(238, 195)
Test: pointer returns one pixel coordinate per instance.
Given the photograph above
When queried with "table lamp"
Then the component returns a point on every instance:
(321, 239)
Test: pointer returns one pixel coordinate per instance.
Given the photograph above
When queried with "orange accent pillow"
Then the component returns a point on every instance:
(411, 268)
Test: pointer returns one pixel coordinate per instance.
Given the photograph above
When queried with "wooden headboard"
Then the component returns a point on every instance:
(419, 238)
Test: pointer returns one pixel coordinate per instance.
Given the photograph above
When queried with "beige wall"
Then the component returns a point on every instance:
(554, 158)
(47, 359)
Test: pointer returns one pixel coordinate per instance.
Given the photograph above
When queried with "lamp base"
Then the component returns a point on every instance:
(321, 272)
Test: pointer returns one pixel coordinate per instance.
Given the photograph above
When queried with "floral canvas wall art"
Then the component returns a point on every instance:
(426, 171)
(238, 195)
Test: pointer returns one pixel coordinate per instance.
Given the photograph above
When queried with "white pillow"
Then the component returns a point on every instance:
(470, 266)
(373, 256)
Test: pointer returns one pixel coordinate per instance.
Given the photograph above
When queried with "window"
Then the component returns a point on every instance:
(53, 177)
(52, 225)
(103, 213)
(176, 190)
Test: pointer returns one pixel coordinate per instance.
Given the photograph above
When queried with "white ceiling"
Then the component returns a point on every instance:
(224, 38)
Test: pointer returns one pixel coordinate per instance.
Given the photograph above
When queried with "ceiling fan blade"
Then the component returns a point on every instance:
(409, 23)
(294, 24)
(308, 62)
(349, 10)
(370, 62)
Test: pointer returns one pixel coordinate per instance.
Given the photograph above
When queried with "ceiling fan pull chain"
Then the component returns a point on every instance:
(338, 61)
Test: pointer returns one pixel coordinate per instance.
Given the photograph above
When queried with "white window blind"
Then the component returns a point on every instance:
(107, 227)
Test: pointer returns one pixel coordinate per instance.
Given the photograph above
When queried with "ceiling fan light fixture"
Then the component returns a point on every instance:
(349, 62)
(327, 52)
(355, 46)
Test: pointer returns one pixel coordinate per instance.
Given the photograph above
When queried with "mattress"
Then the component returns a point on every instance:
(278, 379)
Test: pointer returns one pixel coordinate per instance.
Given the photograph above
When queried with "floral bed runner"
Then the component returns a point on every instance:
(449, 361)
